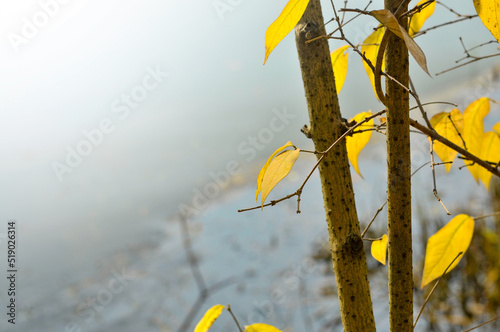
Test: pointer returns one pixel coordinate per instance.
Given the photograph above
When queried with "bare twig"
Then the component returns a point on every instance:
(204, 291)
(491, 320)
(306, 316)
(423, 32)
(422, 166)
(323, 154)
(457, 131)
(371, 221)
(468, 62)
(487, 215)
(417, 9)
(420, 106)
(435, 192)
(433, 288)
(470, 156)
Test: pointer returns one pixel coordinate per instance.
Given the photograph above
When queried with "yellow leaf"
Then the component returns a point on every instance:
(418, 20)
(489, 12)
(385, 17)
(370, 49)
(339, 64)
(287, 20)
(379, 249)
(279, 167)
(260, 327)
(357, 141)
(445, 245)
(490, 151)
(474, 130)
(208, 319)
(448, 125)
(263, 170)
(496, 128)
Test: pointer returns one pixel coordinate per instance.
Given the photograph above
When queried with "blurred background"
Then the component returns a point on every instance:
(119, 116)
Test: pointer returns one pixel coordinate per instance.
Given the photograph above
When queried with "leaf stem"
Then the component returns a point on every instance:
(235, 320)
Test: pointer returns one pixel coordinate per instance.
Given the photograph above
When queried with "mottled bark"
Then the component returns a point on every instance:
(398, 182)
(349, 262)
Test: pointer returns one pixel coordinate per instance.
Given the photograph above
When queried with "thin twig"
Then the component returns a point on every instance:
(371, 239)
(491, 320)
(487, 215)
(417, 9)
(433, 288)
(418, 169)
(420, 106)
(435, 192)
(371, 221)
(470, 156)
(306, 316)
(468, 62)
(457, 131)
(235, 320)
(423, 32)
(323, 154)
(193, 261)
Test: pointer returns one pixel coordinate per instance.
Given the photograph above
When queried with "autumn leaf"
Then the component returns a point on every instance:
(287, 20)
(445, 245)
(339, 64)
(379, 249)
(490, 151)
(279, 167)
(474, 131)
(260, 177)
(450, 126)
(385, 17)
(489, 12)
(357, 141)
(496, 128)
(370, 49)
(260, 327)
(418, 19)
(208, 319)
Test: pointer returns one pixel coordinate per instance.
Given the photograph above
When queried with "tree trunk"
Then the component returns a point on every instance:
(349, 262)
(398, 182)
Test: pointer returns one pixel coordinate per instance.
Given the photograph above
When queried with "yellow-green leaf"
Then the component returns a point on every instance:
(263, 170)
(449, 125)
(474, 130)
(489, 12)
(208, 319)
(379, 249)
(279, 167)
(260, 327)
(357, 141)
(339, 64)
(385, 17)
(496, 128)
(490, 151)
(445, 245)
(287, 20)
(370, 49)
(418, 20)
